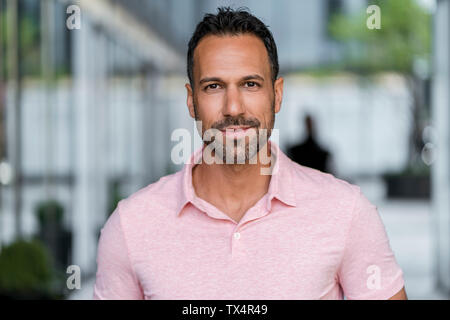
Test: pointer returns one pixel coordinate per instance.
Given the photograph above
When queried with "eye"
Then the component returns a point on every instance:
(212, 86)
(251, 84)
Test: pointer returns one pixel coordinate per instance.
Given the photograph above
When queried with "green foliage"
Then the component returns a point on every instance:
(29, 41)
(405, 35)
(25, 269)
(50, 211)
(114, 195)
(29, 37)
(417, 170)
(56, 240)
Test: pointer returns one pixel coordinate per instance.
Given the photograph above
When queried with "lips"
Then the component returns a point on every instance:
(235, 128)
(235, 132)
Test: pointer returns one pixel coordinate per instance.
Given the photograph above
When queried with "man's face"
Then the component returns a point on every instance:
(233, 88)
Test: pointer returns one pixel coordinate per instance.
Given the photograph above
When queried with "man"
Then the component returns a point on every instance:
(229, 230)
(309, 153)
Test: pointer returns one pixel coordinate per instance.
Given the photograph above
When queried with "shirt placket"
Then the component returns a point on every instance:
(238, 237)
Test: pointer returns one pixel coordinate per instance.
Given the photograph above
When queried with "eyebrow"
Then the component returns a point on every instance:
(249, 77)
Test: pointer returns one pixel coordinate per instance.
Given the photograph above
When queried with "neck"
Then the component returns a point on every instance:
(232, 187)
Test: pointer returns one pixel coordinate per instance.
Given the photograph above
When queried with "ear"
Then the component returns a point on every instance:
(190, 100)
(278, 88)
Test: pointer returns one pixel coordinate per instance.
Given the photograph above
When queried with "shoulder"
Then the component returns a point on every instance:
(324, 188)
(141, 215)
(321, 183)
(152, 200)
(331, 201)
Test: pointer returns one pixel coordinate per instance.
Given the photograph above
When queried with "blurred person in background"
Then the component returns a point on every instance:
(309, 153)
(226, 231)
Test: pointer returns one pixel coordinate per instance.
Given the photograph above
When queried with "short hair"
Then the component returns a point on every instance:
(228, 21)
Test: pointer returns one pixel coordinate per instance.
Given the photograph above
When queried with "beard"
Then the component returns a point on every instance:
(237, 150)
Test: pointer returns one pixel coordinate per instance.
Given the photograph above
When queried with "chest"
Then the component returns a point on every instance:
(261, 260)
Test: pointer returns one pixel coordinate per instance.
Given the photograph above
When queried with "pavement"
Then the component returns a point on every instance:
(409, 228)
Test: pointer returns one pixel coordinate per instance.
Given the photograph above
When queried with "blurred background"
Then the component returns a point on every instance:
(90, 94)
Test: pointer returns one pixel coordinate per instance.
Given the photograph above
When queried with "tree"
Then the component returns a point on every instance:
(402, 45)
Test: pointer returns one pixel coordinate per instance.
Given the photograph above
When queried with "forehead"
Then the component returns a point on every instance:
(230, 56)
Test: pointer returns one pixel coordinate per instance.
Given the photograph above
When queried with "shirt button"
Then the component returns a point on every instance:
(237, 235)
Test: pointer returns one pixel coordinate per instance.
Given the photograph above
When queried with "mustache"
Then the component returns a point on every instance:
(236, 121)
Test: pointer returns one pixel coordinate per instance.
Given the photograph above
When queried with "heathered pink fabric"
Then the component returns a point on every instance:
(312, 236)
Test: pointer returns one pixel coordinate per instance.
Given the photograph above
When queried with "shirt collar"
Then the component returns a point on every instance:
(280, 186)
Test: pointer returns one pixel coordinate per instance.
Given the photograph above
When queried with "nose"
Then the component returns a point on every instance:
(233, 105)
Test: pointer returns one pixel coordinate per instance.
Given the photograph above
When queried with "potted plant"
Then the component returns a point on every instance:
(52, 232)
(26, 271)
(411, 183)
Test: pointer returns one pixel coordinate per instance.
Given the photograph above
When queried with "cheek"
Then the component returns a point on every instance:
(259, 106)
(208, 112)
(210, 104)
(261, 99)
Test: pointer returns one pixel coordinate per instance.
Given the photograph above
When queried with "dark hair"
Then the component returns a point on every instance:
(228, 21)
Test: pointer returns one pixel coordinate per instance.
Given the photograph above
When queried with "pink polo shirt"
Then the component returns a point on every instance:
(312, 236)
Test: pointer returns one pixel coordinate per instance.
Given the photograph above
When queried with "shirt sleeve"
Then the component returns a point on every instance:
(115, 278)
(369, 270)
